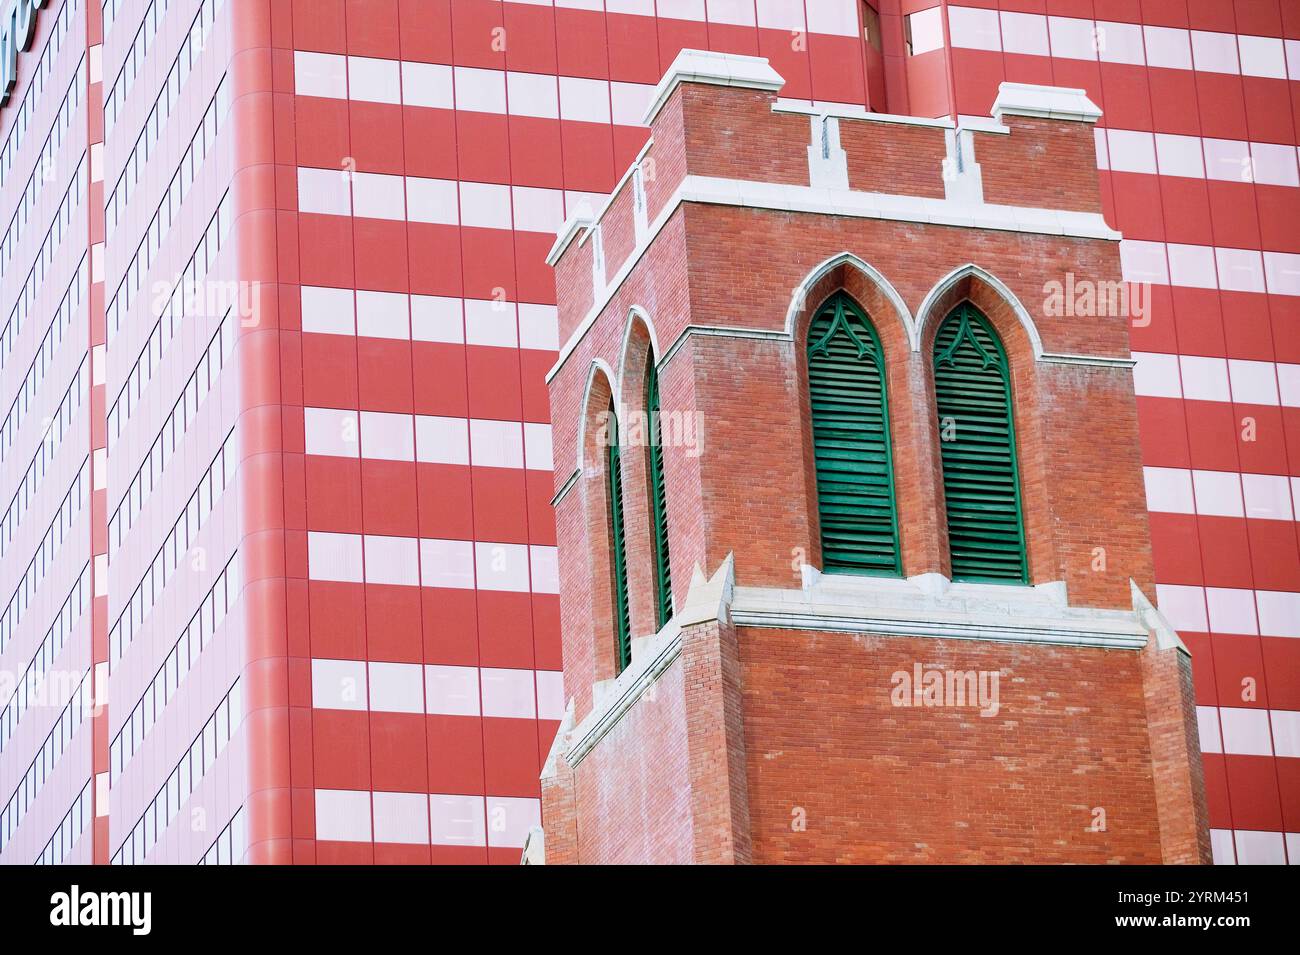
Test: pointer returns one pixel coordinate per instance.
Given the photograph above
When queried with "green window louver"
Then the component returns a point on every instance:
(658, 498)
(851, 449)
(618, 555)
(977, 442)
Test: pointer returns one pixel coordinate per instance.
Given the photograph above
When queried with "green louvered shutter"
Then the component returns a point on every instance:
(618, 562)
(972, 386)
(850, 422)
(658, 499)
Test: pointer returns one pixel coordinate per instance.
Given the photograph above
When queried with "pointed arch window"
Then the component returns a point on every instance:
(658, 498)
(977, 442)
(851, 447)
(617, 547)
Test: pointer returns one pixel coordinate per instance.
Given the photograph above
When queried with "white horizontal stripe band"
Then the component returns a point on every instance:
(1196, 157)
(1133, 44)
(483, 205)
(1249, 731)
(469, 89)
(1210, 267)
(378, 687)
(416, 83)
(1202, 378)
(429, 439)
(430, 318)
(1269, 613)
(1274, 497)
(432, 562)
(1254, 847)
(345, 815)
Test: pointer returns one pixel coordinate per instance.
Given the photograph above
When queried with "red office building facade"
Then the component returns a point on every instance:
(278, 575)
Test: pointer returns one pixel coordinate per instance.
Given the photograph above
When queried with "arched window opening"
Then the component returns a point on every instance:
(851, 447)
(977, 441)
(618, 552)
(658, 498)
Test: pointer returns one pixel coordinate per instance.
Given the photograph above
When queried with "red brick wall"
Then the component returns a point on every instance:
(753, 472)
(665, 159)
(1044, 163)
(636, 782)
(894, 158)
(727, 241)
(715, 691)
(736, 135)
(1176, 757)
(619, 230)
(668, 784)
(880, 783)
(573, 289)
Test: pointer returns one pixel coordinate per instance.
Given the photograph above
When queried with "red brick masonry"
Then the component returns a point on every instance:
(761, 723)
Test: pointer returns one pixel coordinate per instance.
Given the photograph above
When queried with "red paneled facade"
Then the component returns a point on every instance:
(279, 555)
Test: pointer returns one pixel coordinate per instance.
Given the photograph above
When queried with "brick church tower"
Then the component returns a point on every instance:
(854, 557)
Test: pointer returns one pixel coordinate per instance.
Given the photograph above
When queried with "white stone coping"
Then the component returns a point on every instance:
(611, 699)
(534, 851)
(578, 222)
(979, 124)
(899, 208)
(857, 112)
(927, 605)
(705, 600)
(930, 605)
(716, 69)
(1166, 636)
(1045, 102)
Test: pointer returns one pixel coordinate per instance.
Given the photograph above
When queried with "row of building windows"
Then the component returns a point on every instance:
(73, 296)
(658, 510)
(74, 501)
(35, 280)
(65, 727)
(202, 140)
(133, 62)
(24, 112)
(60, 426)
(853, 459)
(44, 170)
(185, 301)
(184, 654)
(202, 755)
(167, 213)
(228, 848)
(219, 475)
(65, 621)
(111, 9)
(174, 428)
(70, 828)
(205, 253)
